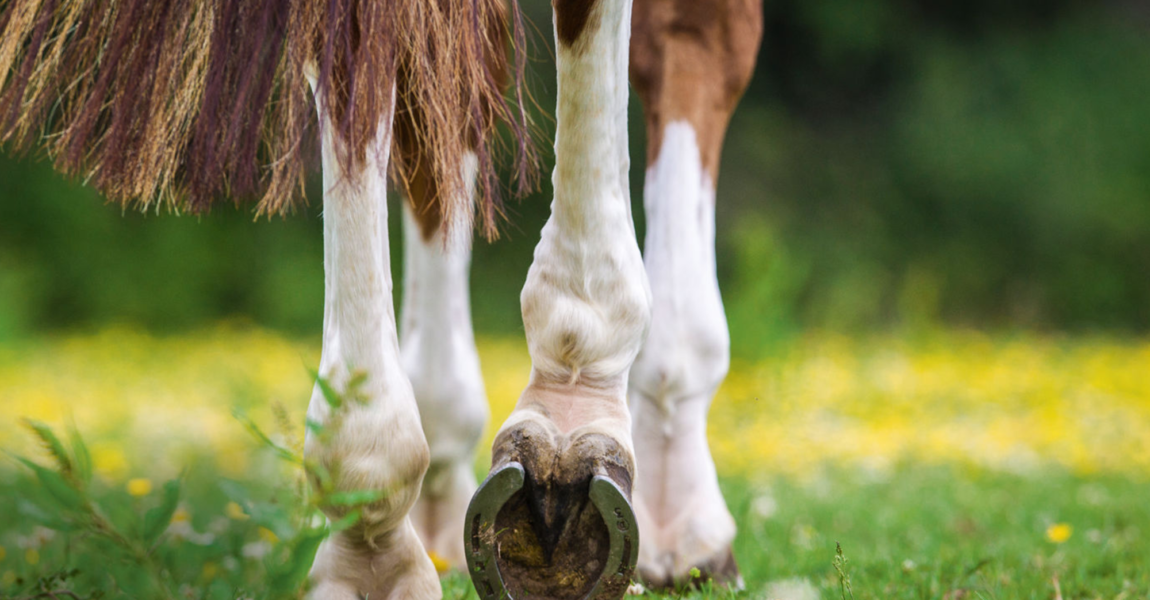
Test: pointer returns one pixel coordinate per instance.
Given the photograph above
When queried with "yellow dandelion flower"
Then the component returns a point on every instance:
(9, 578)
(210, 570)
(181, 515)
(442, 565)
(140, 486)
(32, 556)
(236, 512)
(109, 461)
(1059, 532)
(268, 535)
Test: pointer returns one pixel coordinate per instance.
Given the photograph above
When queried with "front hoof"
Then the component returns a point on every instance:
(554, 520)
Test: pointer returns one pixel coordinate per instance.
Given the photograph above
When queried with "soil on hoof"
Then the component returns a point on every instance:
(553, 543)
(561, 559)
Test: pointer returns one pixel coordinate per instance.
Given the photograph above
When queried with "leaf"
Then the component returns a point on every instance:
(34, 513)
(271, 514)
(157, 519)
(82, 459)
(334, 400)
(314, 426)
(262, 437)
(220, 590)
(293, 574)
(358, 379)
(52, 445)
(347, 522)
(234, 490)
(354, 498)
(319, 475)
(57, 487)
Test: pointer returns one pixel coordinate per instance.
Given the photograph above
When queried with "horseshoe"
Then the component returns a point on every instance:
(493, 493)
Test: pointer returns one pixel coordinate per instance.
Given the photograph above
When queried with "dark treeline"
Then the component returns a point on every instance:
(895, 163)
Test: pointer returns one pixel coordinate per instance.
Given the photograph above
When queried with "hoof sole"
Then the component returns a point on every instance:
(483, 540)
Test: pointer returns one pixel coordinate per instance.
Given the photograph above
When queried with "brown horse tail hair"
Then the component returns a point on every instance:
(183, 102)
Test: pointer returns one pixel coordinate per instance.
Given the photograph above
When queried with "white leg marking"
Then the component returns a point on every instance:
(682, 515)
(586, 306)
(586, 302)
(437, 345)
(377, 444)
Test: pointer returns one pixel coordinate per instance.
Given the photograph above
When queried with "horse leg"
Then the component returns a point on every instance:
(563, 461)
(681, 513)
(439, 355)
(690, 61)
(372, 440)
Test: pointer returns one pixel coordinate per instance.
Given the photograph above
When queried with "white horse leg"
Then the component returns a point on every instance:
(375, 441)
(438, 351)
(586, 307)
(682, 516)
(690, 62)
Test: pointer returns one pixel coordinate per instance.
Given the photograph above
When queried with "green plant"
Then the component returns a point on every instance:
(839, 562)
(145, 560)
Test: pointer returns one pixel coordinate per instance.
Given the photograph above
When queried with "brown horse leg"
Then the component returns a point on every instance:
(690, 61)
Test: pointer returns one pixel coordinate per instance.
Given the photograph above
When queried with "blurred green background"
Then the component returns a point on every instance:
(900, 171)
(894, 164)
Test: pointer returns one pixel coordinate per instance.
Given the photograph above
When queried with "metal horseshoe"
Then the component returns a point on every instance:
(493, 493)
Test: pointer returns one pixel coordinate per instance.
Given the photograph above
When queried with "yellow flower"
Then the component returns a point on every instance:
(32, 556)
(236, 512)
(210, 571)
(140, 486)
(1059, 532)
(268, 535)
(109, 461)
(181, 515)
(3, 552)
(441, 564)
(9, 578)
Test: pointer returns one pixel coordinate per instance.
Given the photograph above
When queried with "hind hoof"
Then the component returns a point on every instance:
(721, 570)
(554, 519)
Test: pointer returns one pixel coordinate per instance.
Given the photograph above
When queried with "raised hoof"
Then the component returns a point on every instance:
(519, 550)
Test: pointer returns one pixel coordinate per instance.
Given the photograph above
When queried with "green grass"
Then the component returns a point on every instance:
(925, 532)
(915, 531)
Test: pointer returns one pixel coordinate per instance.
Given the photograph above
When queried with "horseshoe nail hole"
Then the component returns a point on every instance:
(475, 523)
(625, 565)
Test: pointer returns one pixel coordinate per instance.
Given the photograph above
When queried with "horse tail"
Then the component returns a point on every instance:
(185, 102)
(416, 146)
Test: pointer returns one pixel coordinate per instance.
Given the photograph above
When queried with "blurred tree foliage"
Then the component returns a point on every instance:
(894, 163)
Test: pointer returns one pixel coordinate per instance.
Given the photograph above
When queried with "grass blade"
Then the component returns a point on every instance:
(52, 444)
(157, 519)
(293, 574)
(82, 459)
(67, 496)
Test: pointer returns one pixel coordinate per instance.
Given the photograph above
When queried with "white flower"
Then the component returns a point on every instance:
(791, 589)
(256, 550)
(765, 506)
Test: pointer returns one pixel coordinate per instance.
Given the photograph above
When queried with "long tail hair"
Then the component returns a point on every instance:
(183, 102)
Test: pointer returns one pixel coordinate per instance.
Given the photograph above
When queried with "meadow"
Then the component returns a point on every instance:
(940, 464)
(901, 177)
